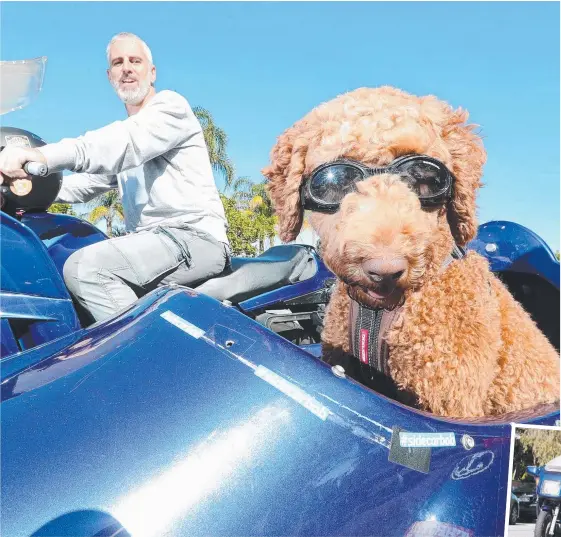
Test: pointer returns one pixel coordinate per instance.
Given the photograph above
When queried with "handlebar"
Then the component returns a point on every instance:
(35, 168)
(22, 187)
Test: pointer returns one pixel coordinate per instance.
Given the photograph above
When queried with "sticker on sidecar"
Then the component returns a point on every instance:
(182, 324)
(472, 465)
(430, 440)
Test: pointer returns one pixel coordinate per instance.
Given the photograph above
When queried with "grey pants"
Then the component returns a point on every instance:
(110, 275)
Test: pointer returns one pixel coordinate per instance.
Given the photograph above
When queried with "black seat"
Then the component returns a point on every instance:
(277, 267)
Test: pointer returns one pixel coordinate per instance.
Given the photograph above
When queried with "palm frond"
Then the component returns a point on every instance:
(119, 211)
(221, 138)
(97, 214)
(107, 199)
(226, 168)
(216, 141)
(241, 184)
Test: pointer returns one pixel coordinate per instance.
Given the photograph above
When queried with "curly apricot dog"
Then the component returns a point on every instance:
(391, 180)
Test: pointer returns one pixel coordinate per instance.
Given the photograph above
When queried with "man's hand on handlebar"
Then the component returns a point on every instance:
(13, 160)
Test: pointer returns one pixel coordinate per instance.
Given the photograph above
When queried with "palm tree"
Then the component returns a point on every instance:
(106, 207)
(216, 140)
(259, 203)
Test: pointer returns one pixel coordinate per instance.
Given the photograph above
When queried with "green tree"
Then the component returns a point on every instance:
(544, 444)
(106, 207)
(265, 219)
(253, 201)
(242, 233)
(62, 208)
(523, 456)
(216, 141)
(557, 255)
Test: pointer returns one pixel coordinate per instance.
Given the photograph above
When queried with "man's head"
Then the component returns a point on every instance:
(131, 71)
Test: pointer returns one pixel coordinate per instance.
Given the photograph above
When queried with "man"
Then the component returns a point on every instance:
(158, 159)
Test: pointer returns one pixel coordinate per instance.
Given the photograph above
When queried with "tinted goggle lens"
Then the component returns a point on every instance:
(429, 180)
(332, 183)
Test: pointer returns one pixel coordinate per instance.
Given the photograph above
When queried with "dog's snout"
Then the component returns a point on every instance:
(384, 270)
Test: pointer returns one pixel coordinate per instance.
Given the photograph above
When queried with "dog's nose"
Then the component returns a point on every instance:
(385, 269)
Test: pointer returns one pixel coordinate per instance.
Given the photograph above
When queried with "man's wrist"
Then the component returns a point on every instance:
(37, 156)
(59, 156)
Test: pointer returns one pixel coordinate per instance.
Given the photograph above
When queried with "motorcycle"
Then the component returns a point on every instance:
(549, 497)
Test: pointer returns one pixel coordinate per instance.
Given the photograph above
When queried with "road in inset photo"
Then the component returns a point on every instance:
(521, 529)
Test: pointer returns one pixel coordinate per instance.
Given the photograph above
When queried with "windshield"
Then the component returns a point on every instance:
(20, 82)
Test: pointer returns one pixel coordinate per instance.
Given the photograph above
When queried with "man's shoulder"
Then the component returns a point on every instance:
(172, 98)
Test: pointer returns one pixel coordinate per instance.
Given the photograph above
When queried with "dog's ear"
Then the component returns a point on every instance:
(285, 176)
(468, 156)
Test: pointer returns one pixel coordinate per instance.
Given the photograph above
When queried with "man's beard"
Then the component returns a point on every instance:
(132, 96)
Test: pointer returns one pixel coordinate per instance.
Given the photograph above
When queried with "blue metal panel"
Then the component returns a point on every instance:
(8, 342)
(20, 361)
(510, 246)
(33, 296)
(314, 349)
(184, 417)
(62, 234)
(45, 318)
(20, 306)
(26, 266)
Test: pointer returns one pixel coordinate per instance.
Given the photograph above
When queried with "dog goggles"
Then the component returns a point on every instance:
(324, 189)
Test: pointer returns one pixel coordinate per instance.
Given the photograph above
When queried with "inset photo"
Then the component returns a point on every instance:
(535, 491)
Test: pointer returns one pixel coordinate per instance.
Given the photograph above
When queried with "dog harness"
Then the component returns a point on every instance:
(368, 328)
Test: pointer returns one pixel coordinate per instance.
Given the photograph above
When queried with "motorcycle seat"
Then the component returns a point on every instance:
(249, 277)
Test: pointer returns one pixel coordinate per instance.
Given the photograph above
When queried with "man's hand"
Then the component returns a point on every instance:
(12, 160)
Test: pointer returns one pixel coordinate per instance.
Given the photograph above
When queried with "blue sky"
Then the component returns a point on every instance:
(258, 67)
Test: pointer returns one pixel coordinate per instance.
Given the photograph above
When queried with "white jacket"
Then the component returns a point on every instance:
(157, 158)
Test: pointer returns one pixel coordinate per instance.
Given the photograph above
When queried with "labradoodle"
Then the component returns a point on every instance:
(391, 182)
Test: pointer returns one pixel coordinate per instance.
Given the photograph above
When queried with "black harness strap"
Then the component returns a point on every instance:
(368, 329)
